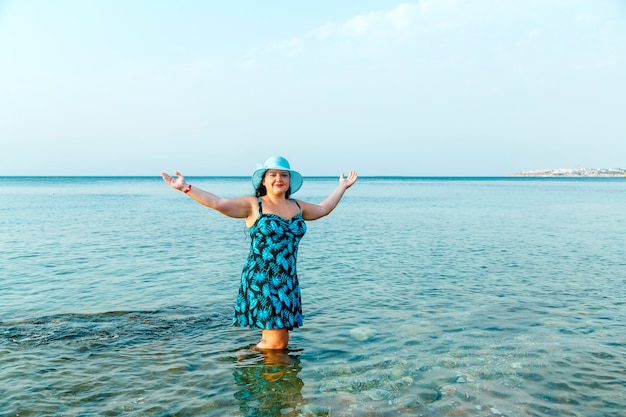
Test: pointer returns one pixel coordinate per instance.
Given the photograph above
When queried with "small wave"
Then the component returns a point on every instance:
(111, 328)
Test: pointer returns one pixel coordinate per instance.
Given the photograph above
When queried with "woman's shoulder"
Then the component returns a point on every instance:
(247, 198)
(301, 203)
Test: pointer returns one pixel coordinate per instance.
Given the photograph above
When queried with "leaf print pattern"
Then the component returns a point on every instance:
(269, 292)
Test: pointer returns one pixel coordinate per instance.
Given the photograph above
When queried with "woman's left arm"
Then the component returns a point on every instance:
(316, 211)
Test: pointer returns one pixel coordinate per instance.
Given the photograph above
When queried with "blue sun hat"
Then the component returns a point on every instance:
(277, 162)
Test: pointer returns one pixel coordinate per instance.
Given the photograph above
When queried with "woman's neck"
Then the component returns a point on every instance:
(275, 198)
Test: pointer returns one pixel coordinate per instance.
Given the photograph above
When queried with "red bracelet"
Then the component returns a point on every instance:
(186, 190)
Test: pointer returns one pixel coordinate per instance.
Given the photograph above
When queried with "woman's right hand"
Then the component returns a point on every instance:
(177, 182)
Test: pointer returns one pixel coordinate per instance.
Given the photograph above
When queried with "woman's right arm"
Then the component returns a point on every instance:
(239, 208)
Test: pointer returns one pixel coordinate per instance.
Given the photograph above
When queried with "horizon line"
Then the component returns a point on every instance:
(509, 176)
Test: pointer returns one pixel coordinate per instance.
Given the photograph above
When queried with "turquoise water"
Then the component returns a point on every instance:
(422, 297)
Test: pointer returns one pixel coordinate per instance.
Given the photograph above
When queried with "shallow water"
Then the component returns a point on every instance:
(423, 297)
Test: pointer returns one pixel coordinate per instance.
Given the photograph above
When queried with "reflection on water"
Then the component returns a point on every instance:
(268, 383)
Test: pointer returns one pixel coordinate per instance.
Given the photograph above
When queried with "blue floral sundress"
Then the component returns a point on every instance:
(269, 293)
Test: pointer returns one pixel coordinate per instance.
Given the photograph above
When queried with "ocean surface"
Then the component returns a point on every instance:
(422, 297)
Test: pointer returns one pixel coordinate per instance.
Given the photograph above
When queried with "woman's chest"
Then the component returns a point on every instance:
(276, 227)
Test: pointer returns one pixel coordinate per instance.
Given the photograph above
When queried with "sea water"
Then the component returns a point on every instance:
(422, 297)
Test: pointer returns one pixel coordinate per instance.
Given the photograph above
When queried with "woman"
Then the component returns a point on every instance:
(269, 293)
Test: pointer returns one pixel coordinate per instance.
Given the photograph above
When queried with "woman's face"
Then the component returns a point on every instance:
(276, 180)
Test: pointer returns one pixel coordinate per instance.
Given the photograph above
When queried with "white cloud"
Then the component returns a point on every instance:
(376, 24)
(401, 16)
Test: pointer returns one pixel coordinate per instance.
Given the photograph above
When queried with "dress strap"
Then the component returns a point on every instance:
(261, 205)
(295, 201)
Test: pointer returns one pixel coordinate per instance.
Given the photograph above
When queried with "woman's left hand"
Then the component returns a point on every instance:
(350, 180)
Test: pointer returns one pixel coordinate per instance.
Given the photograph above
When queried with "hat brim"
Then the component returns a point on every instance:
(295, 178)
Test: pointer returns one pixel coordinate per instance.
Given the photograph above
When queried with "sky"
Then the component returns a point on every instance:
(418, 88)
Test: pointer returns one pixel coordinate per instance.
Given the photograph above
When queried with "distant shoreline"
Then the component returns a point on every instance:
(542, 173)
(574, 172)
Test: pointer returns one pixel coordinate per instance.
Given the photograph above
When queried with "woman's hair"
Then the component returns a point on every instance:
(261, 190)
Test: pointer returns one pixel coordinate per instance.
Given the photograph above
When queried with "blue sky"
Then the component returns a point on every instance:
(433, 87)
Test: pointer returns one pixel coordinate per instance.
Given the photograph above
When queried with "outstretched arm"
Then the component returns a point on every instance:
(315, 211)
(233, 207)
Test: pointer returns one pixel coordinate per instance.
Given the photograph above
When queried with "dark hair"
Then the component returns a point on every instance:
(261, 190)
